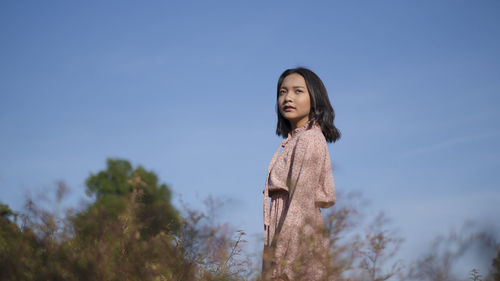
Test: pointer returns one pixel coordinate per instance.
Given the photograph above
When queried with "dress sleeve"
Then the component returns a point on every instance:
(311, 172)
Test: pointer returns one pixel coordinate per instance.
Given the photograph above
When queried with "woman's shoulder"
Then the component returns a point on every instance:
(311, 144)
(313, 136)
(314, 133)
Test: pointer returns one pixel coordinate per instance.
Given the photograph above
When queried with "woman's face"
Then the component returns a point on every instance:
(294, 102)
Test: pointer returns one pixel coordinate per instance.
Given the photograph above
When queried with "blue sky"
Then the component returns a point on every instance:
(187, 89)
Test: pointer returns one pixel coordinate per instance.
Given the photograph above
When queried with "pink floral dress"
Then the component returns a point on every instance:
(299, 183)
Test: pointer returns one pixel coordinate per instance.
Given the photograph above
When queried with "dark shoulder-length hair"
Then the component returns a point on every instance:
(321, 109)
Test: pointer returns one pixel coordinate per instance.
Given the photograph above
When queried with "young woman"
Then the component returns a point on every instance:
(299, 180)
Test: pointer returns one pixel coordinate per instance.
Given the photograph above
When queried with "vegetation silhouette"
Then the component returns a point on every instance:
(131, 231)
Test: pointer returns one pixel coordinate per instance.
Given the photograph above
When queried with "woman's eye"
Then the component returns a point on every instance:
(282, 92)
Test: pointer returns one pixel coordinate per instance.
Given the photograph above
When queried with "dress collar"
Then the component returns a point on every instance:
(310, 124)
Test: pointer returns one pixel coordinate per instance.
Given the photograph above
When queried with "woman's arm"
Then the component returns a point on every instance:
(310, 171)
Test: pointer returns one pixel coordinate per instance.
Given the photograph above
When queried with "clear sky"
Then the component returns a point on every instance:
(187, 89)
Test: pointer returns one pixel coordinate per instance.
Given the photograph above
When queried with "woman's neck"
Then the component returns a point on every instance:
(299, 124)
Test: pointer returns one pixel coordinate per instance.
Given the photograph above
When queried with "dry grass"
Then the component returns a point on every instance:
(99, 243)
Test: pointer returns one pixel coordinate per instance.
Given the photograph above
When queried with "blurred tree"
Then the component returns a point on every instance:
(361, 250)
(381, 246)
(109, 244)
(23, 255)
(110, 186)
(438, 263)
(5, 212)
(495, 272)
(130, 232)
(9, 240)
(474, 275)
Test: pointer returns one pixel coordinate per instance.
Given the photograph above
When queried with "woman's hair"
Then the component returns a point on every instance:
(321, 109)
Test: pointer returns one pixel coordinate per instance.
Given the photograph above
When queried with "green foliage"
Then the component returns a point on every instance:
(45, 249)
(113, 248)
(130, 232)
(10, 242)
(5, 211)
(119, 179)
(113, 181)
(495, 274)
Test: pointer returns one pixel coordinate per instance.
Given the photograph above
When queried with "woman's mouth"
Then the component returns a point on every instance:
(288, 108)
